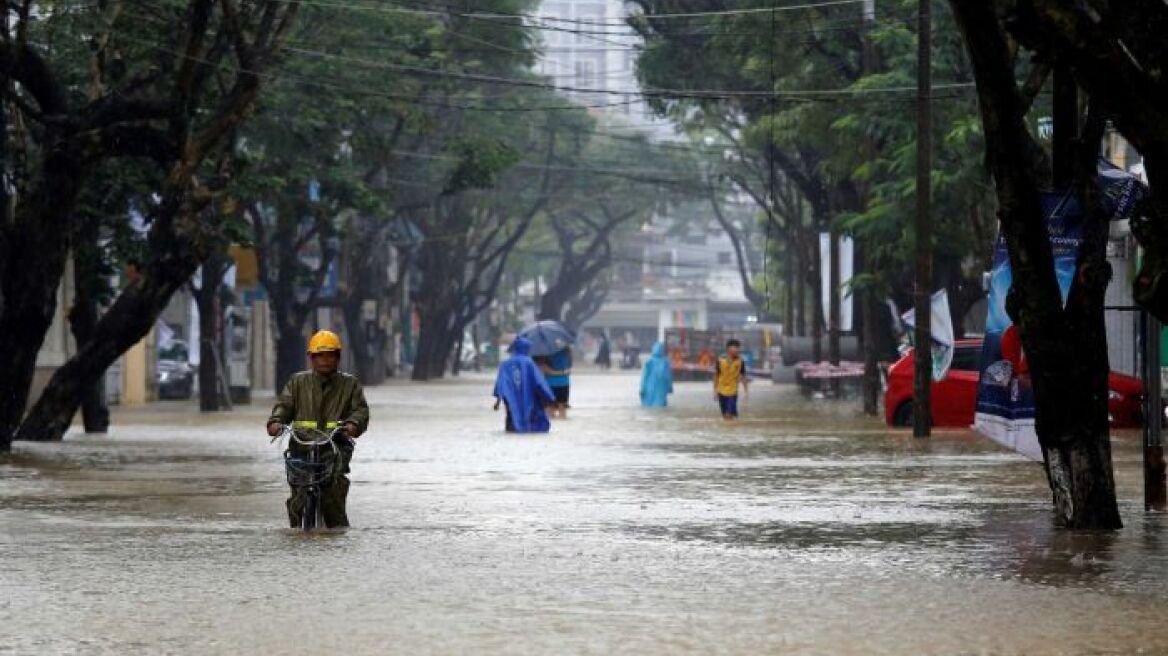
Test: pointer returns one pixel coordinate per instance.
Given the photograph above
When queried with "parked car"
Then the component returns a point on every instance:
(174, 375)
(954, 399)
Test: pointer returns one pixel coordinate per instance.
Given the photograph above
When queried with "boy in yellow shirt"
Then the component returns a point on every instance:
(728, 374)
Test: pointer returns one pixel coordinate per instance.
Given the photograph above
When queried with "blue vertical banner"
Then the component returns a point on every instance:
(1005, 395)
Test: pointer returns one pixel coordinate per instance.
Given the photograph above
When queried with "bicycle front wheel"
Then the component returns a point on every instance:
(308, 514)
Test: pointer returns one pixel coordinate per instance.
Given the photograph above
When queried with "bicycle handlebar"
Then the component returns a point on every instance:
(308, 436)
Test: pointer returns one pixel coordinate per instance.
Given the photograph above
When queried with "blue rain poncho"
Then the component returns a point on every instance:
(521, 385)
(656, 379)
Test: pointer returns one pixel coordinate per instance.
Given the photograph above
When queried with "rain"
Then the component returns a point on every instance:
(582, 326)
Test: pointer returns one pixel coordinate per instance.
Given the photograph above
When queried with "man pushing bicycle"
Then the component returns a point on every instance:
(324, 399)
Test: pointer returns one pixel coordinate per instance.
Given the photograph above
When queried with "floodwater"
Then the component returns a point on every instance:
(802, 529)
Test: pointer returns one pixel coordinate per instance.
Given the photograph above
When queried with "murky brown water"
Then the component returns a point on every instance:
(800, 530)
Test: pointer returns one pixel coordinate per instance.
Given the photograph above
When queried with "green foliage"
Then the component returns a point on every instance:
(481, 159)
(847, 127)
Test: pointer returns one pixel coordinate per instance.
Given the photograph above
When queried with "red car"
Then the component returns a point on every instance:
(954, 398)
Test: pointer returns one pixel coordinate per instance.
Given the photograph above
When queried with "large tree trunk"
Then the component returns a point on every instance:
(210, 324)
(83, 317)
(434, 345)
(456, 353)
(551, 304)
(436, 309)
(290, 355)
(38, 246)
(1067, 349)
(366, 344)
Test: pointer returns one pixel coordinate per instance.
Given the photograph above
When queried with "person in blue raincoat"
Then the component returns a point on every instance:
(656, 379)
(522, 388)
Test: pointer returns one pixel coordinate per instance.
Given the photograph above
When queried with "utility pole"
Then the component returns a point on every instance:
(5, 200)
(833, 298)
(1155, 492)
(868, 298)
(922, 292)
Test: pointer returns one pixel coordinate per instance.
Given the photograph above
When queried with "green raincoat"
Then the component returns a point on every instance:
(323, 402)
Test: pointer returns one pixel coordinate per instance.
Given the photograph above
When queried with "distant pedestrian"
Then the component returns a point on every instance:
(557, 369)
(604, 354)
(522, 389)
(656, 379)
(729, 373)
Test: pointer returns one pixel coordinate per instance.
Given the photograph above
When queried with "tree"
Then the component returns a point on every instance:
(599, 204)
(364, 279)
(176, 107)
(772, 131)
(212, 395)
(470, 231)
(815, 132)
(1066, 346)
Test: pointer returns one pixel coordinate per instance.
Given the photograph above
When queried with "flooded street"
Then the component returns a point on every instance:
(802, 529)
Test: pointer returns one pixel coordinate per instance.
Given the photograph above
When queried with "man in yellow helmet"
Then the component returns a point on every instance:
(325, 399)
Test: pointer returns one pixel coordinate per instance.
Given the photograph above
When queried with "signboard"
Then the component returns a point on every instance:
(1005, 395)
(846, 271)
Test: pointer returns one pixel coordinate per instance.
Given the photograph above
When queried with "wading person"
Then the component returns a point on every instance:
(557, 370)
(521, 387)
(604, 353)
(656, 379)
(729, 373)
(323, 398)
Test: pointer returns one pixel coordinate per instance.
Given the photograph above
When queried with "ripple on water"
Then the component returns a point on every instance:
(804, 529)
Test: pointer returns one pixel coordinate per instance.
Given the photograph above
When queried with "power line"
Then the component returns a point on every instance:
(540, 21)
(697, 94)
(575, 21)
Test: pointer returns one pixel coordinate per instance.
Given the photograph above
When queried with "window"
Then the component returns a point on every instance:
(555, 10)
(966, 358)
(585, 74)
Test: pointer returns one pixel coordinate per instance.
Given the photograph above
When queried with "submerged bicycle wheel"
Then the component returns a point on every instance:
(308, 514)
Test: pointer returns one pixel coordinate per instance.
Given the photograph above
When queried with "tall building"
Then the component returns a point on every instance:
(591, 53)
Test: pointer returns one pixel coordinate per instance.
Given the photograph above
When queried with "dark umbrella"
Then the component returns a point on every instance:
(548, 337)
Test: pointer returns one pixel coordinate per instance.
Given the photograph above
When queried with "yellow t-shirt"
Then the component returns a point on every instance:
(727, 375)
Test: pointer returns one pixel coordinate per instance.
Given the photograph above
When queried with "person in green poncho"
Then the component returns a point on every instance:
(324, 398)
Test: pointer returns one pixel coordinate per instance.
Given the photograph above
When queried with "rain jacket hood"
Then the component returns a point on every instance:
(521, 385)
(656, 379)
(521, 346)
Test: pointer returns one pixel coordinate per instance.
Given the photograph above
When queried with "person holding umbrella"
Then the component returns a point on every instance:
(604, 353)
(557, 369)
(550, 347)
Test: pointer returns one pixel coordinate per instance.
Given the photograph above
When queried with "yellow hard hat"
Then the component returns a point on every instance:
(323, 342)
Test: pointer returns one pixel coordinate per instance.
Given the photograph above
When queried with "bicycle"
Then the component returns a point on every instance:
(311, 468)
